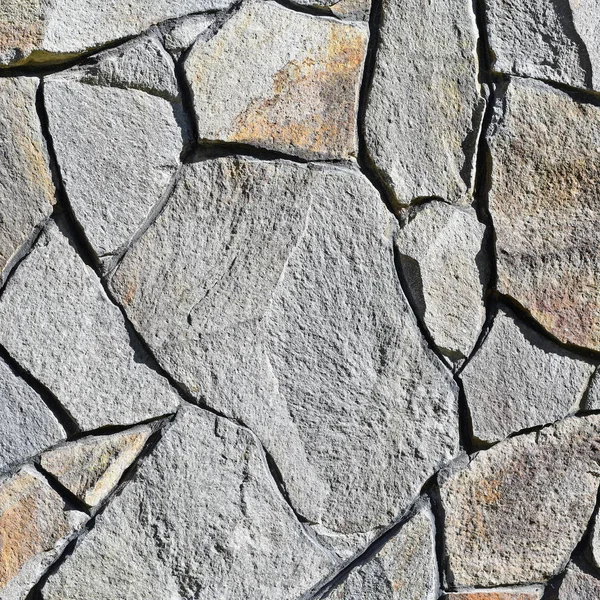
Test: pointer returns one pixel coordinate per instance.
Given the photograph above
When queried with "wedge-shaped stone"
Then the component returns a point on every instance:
(443, 263)
(280, 80)
(92, 467)
(26, 188)
(557, 40)
(117, 130)
(577, 585)
(27, 425)
(255, 290)
(178, 36)
(530, 593)
(202, 519)
(517, 511)
(66, 332)
(35, 526)
(424, 109)
(545, 203)
(41, 31)
(595, 542)
(404, 569)
(519, 379)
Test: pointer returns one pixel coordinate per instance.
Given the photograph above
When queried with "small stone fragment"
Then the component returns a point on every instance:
(26, 188)
(201, 519)
(92, 467)
(442, 261)
(425, 108)
(532, 593)
(281, 80)
(515, 514)
(545, 203)
(520, 379)
(66, 332)
(577, 585)
(595, 542)
(357, 10)
(179, 36)
(35, 527)
(27, 425)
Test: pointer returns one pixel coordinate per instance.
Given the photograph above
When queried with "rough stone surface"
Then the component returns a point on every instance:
(254, 289)
(577, 585)
(27, 424)
(424, 108)
(295, 84)
(517, 511)
(180, 35)
(211, 526)
(92, 467)
(26, 188)
(34, 529)
(66, 332)
(545, 202)
(595, 543)
(447, 272)
(558, 40)
(498, 594)
(520, 379)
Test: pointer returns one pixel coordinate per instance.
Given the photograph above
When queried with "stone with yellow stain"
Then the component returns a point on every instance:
(545, 204)
(531, 593)
(35, 526)
(280, 80)
(515, 513)
(92, 467)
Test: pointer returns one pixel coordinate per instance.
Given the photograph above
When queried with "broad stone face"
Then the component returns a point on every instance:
(577, 585)
(545, 202)
(280, 80)
(254, 289)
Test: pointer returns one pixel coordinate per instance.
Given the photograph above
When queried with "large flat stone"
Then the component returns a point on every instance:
(424, 109)
(202, 519)
(545, 202)
(66, 332)
(516, 512)
(254, 288)
(281, 80)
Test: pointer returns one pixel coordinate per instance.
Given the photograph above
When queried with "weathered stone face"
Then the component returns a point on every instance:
(506, 594)
(578, 585)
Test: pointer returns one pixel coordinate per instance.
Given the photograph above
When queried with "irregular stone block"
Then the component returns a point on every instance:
(519, 379)
(425, 108)
(443, 263)
(26, 188)
(577, 585)
(499, 594)
(517, 511)
(202, 519)
(66, 332)
(180, 35)
(35, 527)
(595, 542)
(117, 130)
(92, 467)
(545, 202)
(254, 288)
(558, 40)
(281, 80)
(27, 425)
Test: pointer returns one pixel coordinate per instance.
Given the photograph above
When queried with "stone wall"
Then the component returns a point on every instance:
(299, 301)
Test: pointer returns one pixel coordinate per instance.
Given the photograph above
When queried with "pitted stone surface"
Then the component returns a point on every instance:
(577, 585)
(211, 526)
(295, 85)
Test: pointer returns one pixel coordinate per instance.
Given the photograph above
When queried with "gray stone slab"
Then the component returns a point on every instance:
(577, 585)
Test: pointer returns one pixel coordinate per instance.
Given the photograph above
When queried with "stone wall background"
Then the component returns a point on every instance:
(299, 301)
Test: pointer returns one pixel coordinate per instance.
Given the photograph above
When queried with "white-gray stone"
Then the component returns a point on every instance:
(577, 585)
(446, 271)
(595, 542)
(66, 332)
(202, 519)
(255, 289)
(425, 108)
(178, 36)
(520, 379)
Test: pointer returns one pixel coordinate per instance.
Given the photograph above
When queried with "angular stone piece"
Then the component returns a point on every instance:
(519, 379)
(592, 397)
(92, 467)
(530, 593)
(180, 35)
(577, 585)
(545, 203)
(26, 188)
(201, 519)
(595, 542)
(27, 425)
(117, 130)
(254, 288)
(425, 108)
(517, 511)
(404, 569)
(66, 332)
(558, 40)
(442, 262)
(281, 80)
(34, 530)
(50, 31)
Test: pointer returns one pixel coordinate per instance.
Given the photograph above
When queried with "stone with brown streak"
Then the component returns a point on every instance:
(499, 594)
